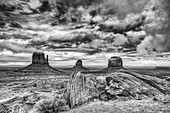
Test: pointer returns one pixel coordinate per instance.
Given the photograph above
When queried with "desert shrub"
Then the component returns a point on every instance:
(50, 106)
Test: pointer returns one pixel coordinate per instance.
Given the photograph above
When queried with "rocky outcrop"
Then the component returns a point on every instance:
(79, 66)
(81, 89)
(40, 65)
(39, 58)
(114, 63)
(116, 83)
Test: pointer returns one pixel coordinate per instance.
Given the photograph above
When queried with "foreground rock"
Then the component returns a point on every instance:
(40, 65)
(117, 83)
(81, 89)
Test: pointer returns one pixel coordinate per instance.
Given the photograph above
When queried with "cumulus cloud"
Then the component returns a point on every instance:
(156, 26)
(120, 40)
(15, 48)
(34, 4)
(123, 7)
(66, 39)
(135, 38)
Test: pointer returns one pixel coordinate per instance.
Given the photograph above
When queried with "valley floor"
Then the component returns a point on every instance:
(33, 88)
(131, 106)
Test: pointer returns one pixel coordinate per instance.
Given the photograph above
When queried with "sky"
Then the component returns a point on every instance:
(65, 45)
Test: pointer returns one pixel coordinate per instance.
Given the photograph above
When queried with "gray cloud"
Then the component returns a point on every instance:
(15, 48)
(157, 27)
(124, 7)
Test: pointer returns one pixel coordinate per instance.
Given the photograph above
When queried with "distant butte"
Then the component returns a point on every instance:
(79, 66)
(116, 83)
(114, 63)
(40, 65)
(39, 58)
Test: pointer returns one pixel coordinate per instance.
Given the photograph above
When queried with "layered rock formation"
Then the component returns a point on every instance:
(39, 58)
(40, 65)
(117, 83)
(81, 89)
(79, 66)
(114, 63)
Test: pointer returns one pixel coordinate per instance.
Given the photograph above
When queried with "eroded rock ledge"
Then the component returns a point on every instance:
(117, 83)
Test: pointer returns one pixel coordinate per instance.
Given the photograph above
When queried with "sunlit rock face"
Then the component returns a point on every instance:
(39, 58)
(81, 89)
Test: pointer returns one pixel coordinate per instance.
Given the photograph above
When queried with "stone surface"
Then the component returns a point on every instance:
(39, 58)
(80, 89)
(116, 83)
(114, 63)
(40, 65)
(79, 66)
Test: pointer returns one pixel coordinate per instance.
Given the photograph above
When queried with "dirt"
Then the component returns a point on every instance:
(132, 106)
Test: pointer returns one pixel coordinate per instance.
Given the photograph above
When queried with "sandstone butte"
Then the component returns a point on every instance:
(40, 65)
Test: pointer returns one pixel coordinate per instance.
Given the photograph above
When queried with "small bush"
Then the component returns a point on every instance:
(50, 106)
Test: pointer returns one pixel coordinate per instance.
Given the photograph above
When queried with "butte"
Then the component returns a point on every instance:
(40, 65)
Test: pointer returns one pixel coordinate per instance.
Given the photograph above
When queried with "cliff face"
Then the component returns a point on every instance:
(114, 63)
(39, 58)
(40, 65)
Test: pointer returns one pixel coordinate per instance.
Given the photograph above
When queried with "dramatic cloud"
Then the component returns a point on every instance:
(124, 7)
(70, 29)
(120, 40)
(157, 27)
(15, 48)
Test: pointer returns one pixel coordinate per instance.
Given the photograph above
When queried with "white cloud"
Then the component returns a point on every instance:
(15, 47)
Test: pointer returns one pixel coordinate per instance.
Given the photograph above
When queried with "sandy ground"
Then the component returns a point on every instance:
(132, 106)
